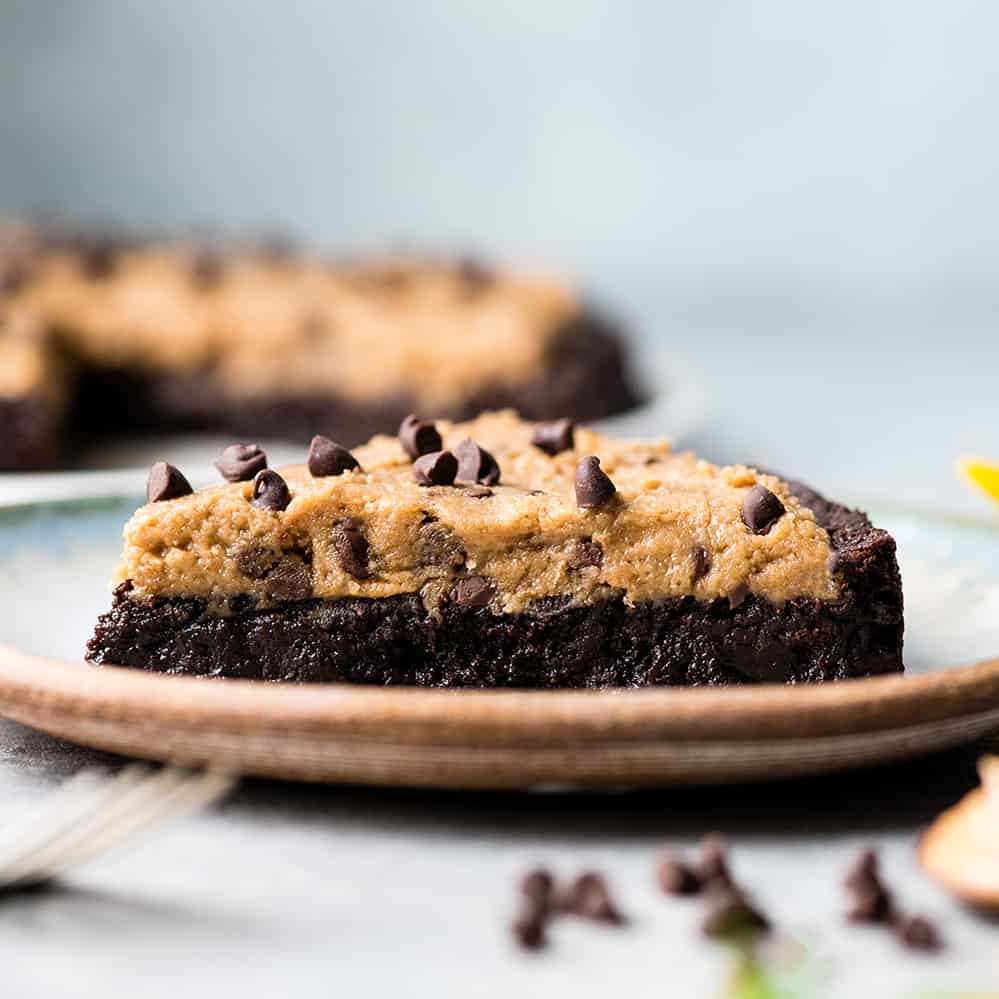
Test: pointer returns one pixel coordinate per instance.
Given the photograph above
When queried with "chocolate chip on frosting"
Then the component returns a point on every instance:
(326, 457)
(476, 464)
(761, 509)
(207, 267)
(241, 462)
(478, 492)
(585, 554)
(555, 437)
(702, 563)
(97, 257)
(352, 549)
(438, 468)
(166, 483)
(593, 487)
(472, 591)
(418, 436)
(270, 491)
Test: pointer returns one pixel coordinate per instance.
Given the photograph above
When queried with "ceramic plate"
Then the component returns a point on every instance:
(56, 560)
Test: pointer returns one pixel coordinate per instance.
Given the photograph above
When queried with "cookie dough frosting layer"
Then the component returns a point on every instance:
(675, 527)
(265, 324)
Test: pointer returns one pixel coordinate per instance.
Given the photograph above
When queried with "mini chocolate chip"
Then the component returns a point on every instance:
(475, 276)
(97, 257)
(475, 464)
(713, 867)
(593, 487)
(863, 872)
(438, 468)
(918, 933)
(255, 560)
(590, 898)
(728, 913)
(418, 436)
(702, 563)
(240, 462)
(14, 275)
(351, 547)
(472, 591)
(538, 888)
(207, 267)
(270, 491)
(477, 492)
(832, 563)
(440, 546)
(761, 509)
(166, 483)
(529, 929)
(326, 457)
(585, 554)
(675, 877)
(555, 437)
(873, 905)
(289, 580)
(125, 586)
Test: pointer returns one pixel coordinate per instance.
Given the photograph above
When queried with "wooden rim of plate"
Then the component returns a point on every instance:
(500, 717)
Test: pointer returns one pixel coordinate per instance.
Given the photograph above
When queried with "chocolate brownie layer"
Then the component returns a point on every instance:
(584, 374)
(30, 434)
(678, 641)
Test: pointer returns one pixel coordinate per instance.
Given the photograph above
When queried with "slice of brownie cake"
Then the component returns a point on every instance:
(500, 553)
(167, 335)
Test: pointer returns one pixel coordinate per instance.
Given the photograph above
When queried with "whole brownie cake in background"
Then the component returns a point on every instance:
(180, 336)
(500, 553)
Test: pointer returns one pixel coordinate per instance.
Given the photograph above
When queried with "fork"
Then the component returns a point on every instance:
(93, 813)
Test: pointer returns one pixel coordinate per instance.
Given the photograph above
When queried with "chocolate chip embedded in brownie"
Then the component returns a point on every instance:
(237, 338)
(643, 567)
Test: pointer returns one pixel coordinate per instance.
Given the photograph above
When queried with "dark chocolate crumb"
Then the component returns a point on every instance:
(352, 549)
(166, 483)
(593, 487)
(472, 591)
(589, 898)
(761, 509)
(326, 458)
(125, 586)
(438, 468)
(475, 464)
(270, 491)
(702, 563)
(585, 554)
(675, 877)
(241, 462)
(418, 436)
(918, 933)
(555, 437)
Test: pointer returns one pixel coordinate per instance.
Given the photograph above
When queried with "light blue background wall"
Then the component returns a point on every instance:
(800, 199)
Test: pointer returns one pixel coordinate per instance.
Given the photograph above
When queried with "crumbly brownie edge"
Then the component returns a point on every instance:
(30, 434)
(677, 642)
(586, 377)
